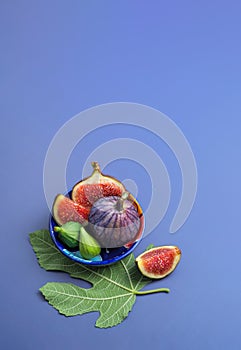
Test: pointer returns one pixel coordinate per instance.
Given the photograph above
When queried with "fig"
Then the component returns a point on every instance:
(65, 210)
(88, 246)
(68, 233)
(158, 262)
(96, 186)
(115, 221)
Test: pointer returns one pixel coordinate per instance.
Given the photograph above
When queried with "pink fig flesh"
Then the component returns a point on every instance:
(65, 210)
(158, 262)
(89, 190)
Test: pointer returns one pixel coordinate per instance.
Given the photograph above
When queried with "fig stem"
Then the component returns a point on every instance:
(96, 166)
(120, 201)
(151, 291)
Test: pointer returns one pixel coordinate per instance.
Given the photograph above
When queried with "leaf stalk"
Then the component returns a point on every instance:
(151, 291)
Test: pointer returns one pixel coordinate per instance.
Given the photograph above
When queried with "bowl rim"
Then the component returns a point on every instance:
(70, 255)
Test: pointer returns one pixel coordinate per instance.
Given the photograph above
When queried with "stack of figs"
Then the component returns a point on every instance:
(102, 205)
(101, 213)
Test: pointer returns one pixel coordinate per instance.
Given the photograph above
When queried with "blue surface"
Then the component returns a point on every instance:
(58, 58)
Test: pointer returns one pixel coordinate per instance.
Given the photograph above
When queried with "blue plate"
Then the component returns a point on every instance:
(106, 257)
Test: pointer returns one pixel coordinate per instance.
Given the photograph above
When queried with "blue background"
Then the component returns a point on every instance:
(183, 58)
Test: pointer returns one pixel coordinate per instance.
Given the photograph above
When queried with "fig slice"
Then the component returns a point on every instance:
(158, 262)
(65, 210)
(96, 186)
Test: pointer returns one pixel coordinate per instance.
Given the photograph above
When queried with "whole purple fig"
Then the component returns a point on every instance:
(115, 221)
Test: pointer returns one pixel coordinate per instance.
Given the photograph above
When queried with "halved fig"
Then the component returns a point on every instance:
(96, 186)
(65, 210)
(158, 262)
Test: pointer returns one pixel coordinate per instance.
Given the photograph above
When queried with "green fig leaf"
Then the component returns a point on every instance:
(114, 287)
(150, 246)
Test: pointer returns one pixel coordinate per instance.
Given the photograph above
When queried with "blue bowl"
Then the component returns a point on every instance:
(106, 257)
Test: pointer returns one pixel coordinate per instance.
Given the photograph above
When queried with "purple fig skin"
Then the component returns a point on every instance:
(114, 221)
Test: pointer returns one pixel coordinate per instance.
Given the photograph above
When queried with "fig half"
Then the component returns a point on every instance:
(158, 262)
(96, 186)
(65, 210)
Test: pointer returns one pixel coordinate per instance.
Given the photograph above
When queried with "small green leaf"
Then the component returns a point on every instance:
(150, 246)
(114, 287)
